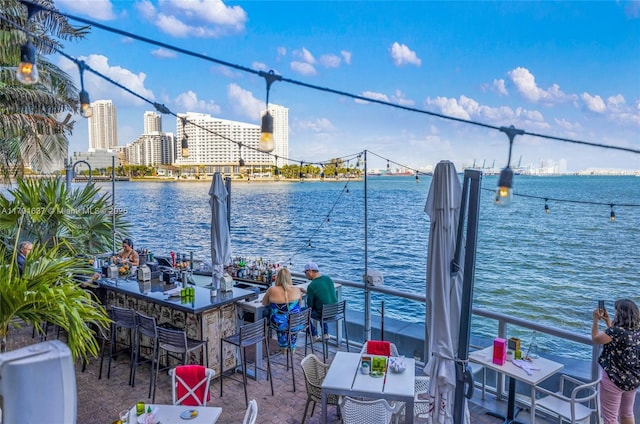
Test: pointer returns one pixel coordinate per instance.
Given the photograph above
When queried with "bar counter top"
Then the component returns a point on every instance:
(154, 291)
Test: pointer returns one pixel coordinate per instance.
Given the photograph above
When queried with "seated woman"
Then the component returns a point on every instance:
(283, 299)
(127, 255)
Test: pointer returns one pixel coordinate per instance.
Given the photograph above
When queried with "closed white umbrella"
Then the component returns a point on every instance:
(444, 291)
(220, 237)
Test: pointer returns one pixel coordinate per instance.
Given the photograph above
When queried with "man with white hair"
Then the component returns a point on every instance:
(320, 292)
(24, 248)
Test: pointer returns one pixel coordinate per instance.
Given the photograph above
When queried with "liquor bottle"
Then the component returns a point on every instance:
(532, 352)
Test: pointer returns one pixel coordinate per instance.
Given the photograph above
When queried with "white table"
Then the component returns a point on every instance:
(344, 378)
(547, 367)
(168, 414)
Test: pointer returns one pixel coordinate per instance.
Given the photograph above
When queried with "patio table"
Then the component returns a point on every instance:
(547, 368)
(344, 378)
(171, 414)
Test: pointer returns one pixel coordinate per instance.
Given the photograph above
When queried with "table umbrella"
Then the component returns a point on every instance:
(444, 291)
(220, 237)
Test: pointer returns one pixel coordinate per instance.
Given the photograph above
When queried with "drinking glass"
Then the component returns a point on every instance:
(124, 416)
(140, 408)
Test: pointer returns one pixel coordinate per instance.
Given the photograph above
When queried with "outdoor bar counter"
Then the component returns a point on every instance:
(203, 316)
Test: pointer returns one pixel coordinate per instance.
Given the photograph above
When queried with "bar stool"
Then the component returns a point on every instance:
(297, 322)
(126, 319)
(147, 328)
(251, 334)
(333, 313)
(176, 342)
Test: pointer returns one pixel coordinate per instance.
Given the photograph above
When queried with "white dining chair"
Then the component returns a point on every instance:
(252, 412)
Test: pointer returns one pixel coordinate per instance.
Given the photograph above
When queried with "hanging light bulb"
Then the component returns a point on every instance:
(266, 134)
(503, 192)
(276, 171)
(27, 72)
(546, 206)
(184, 147)
(300, 174)
(85, 105)
(388, 167)
(612, 215)
(417, 177)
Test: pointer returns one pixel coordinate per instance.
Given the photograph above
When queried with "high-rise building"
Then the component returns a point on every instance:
(280, 131)
(220, 142)
(152, 122)
(151, 149)
(103, 125)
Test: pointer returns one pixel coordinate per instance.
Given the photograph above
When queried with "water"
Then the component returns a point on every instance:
(548, 268)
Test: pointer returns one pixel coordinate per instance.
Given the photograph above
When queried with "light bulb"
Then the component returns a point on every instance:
(546, 208)
(27, 72)
(503, 192)
(612, 216)
(185, 147)
(266, 134)
(85, 105)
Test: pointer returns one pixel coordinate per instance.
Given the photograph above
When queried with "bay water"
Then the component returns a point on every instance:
(550, 268)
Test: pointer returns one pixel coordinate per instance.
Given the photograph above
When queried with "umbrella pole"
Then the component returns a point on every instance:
(367, 293)
(113, 205)
(463, 372)
(227, 183)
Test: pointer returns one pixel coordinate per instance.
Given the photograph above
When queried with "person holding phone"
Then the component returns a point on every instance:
(620, 360)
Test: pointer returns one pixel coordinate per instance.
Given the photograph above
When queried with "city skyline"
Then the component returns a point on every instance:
(542, 67)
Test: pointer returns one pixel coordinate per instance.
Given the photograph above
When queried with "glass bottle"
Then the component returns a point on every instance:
(533, 347)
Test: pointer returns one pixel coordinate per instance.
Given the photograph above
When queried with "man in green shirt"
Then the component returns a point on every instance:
(320, 292)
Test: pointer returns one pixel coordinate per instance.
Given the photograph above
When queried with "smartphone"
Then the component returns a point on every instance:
(601, 306)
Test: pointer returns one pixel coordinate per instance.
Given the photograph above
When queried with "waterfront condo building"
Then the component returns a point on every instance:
(218, 144)
(153, 147)
(152, 122)
(103, 125)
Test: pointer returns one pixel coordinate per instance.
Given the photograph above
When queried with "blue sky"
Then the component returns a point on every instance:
(565, 69)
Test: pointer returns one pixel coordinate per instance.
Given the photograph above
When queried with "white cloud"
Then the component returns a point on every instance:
(372, 95)
(449, 107)
(346, 56)
(330, 60)
(303, 68)
(243, 102)
(195, 18)
(319, 125)
(99, 89)
(97, 9)
(281, 52)
(500, 87)
(402, 55)
(304, 55)
(525, 83)
(189, 101)
(163, 53)
(400, 98)
(593, 103)
(566, 125)
(259, 66)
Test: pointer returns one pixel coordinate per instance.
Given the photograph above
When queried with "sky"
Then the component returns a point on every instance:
(562, 69)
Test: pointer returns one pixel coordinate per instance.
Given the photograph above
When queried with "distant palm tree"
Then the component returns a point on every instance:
(35, 120)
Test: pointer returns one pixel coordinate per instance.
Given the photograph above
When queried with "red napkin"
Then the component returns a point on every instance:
(379, 347)
(192, 375)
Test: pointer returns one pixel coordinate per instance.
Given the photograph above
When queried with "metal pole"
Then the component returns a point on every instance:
(68, 171)
(367, 293)
(227, 183)
(463, 371)
(113, 204)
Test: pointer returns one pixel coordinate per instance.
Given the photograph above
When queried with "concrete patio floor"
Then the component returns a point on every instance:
(99, 401)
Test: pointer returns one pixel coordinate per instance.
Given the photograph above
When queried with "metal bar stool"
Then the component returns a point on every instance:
(297, 322)
(126, 319)
(251, 334)
(333, 313)
(146, 327)
(176, 342)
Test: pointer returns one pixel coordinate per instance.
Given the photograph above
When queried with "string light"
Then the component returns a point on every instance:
(184, 152)
(276, 171)
(240, 160)
(417, 177)
(266, 127)
(27, 72)
(300, 175)
(546, 206)
(85, 103)
(505, 182)
(388, 167)
(612, 215)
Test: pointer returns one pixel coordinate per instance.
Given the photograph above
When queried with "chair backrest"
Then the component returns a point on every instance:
(123, 317)
(252, 412)
(314, 371)
(146, 325)
(299, 321)
(580, 404)
(369, 348)
(177, 339)
(366, 412)
(253, 333)
(190, 385)
(334, 311)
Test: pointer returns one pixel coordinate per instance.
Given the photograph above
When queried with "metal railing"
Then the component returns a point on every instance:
(502, 320)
